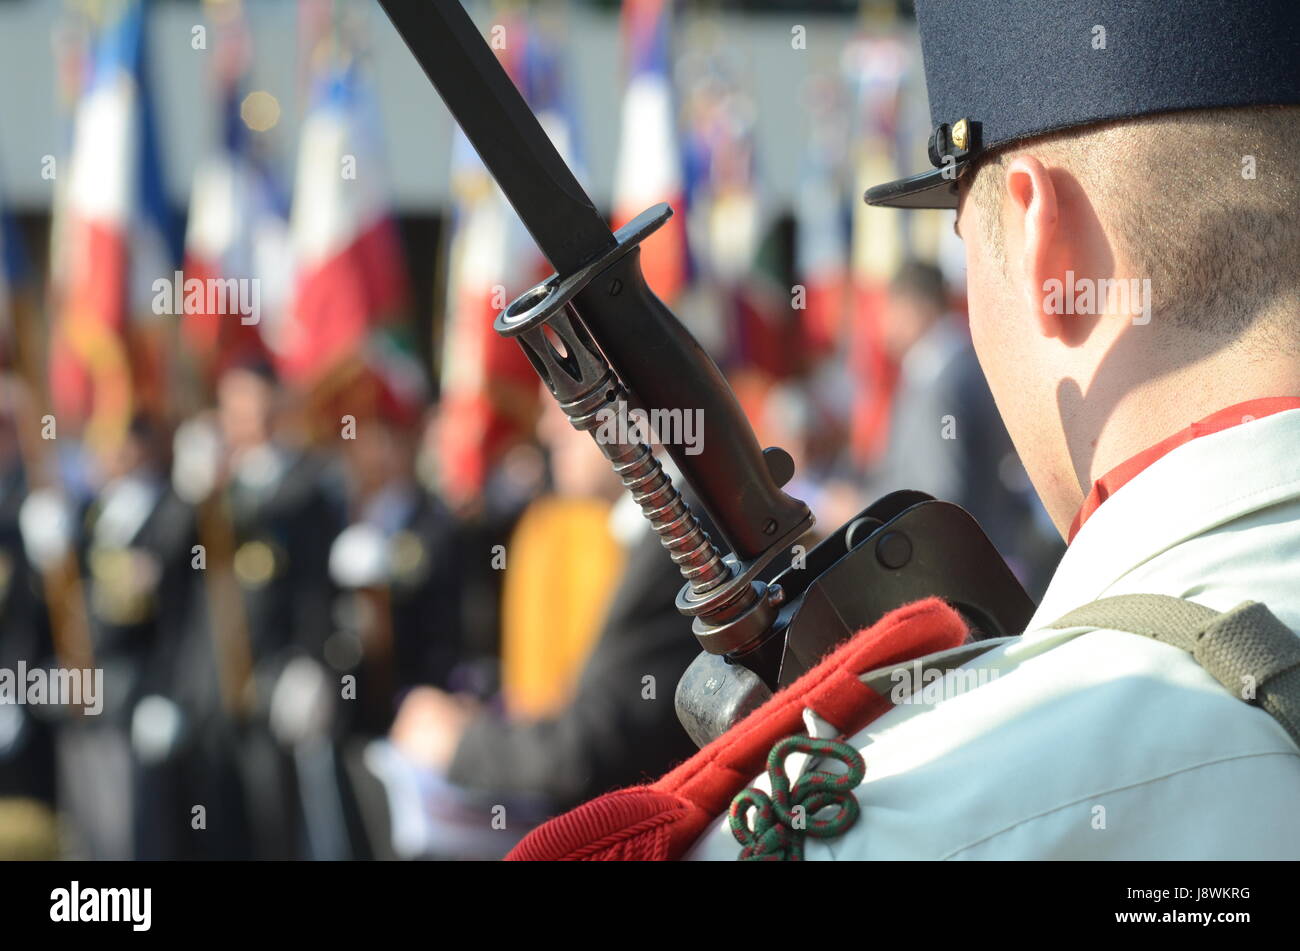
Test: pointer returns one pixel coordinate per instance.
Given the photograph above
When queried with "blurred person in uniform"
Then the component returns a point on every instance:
(27, 758)
(133, 541)
(399, 568)
(284, 506)
(140, 582)
(397, 563)
(485, 518)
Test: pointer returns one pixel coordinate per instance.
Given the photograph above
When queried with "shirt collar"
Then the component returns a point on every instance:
(1207, 481)
(1124, 473)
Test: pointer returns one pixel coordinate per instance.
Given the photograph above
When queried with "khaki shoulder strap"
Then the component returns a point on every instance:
(1248, 650)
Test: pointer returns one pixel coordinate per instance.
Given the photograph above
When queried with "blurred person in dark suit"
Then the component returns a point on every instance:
(484, 520)
(399, 566)
(945, 435)
(397, 562)
(140, 581)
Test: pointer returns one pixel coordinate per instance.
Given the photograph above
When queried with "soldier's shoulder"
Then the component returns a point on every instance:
(1067, 738)
(1095, 745)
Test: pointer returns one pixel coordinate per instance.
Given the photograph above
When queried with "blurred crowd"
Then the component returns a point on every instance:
(355, 597)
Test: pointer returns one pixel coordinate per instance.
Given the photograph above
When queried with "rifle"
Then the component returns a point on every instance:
(606, 346)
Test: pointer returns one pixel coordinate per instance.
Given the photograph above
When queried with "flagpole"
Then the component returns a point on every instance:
(61, 580)
(214, 525)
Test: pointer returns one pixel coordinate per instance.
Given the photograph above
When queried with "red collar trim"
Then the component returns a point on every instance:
(1111, 482)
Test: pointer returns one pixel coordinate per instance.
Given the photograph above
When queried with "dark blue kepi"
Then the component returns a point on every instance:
(1002, 70)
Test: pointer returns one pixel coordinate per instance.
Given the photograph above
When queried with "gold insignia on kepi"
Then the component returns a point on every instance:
(961, 133)
(254, 564)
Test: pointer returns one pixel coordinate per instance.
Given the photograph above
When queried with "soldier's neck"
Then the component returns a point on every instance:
(1137, 400)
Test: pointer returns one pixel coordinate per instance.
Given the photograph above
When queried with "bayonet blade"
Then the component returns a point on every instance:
(503, 130)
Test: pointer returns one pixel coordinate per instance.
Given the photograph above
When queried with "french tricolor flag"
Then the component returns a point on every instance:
(650, 160)
(480, 370)
(489, 390)
(238, 225)
(350, 272)
(119, 238)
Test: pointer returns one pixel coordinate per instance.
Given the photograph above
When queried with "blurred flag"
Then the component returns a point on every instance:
(537, 66)
(14, 277)
(534, 61)
(349, 269)
(719, 159)
(238, 227)
(481, 373)
(725, 221)
(120, 238)
(765, 330)
(489, 391)
(386, 381)
(649, 161)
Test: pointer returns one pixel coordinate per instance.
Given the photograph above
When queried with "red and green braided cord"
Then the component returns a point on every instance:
(782, 820)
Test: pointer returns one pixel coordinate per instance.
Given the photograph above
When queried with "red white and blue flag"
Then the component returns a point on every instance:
(350, 275)
(119, 238)
(489, 391)
(237, 228)
(650, 160)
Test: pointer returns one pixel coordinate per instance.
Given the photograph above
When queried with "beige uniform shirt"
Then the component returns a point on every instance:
(1087, 744)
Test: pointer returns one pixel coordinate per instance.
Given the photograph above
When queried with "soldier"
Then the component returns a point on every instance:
(397, 562)
(27, 757)
(137, 546)
(1093, 149)
(1125, 184)
(285, 510)
(131, 541)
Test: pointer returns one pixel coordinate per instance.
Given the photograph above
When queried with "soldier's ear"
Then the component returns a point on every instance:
(1034, 236)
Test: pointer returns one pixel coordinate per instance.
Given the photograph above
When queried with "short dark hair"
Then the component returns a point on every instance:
(1205, 203)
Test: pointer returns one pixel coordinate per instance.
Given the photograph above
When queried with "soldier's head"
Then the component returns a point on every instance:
(246, 403)
(1104, 257)
(1126, 188)
(389, 409)
(918, 298)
